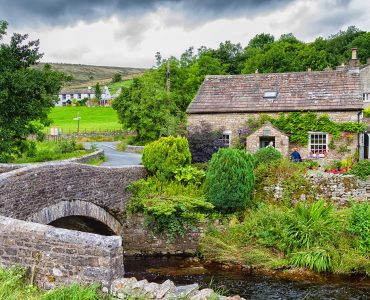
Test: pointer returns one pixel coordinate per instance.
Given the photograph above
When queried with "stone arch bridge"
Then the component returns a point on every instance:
(45, 193)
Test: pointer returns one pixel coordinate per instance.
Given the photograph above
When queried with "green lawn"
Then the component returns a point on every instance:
(92, 119)
(113, 87)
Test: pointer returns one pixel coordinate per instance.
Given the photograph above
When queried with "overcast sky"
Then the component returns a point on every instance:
(128, 33)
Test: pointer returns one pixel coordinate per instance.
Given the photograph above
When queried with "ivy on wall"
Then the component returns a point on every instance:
(297, 124)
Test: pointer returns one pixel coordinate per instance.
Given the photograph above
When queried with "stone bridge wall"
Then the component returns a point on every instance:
(28, 190)
(59, 256)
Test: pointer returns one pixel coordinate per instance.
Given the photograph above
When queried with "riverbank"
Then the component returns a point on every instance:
(253, 284)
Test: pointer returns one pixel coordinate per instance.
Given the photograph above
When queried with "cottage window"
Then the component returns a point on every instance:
(318, 143)
(79, 96)
(64, 96)
(366, 97)
(225, 138)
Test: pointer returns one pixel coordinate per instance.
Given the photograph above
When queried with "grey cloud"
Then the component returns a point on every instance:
(66, 12)
(132, 30)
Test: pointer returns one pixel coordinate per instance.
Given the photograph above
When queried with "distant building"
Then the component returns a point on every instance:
(66, 96)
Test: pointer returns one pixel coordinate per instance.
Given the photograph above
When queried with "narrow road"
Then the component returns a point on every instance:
(115, 158)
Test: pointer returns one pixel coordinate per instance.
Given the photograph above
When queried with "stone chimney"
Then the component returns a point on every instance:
(354, 62)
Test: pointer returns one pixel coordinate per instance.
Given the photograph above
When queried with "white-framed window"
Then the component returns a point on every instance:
(366, 97)
(226, 138)
(318, 142)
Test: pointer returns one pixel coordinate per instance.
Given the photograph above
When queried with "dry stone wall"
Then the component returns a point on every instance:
(139, 239)
(59, 256)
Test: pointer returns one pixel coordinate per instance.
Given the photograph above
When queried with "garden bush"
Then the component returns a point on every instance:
(359, 225)
(361, 169)
(309, 225)
(170, 207)
(266, 155)
(230, 179)
(166, 155)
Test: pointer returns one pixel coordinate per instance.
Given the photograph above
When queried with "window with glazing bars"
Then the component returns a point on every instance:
(225, 140)
(318, 142)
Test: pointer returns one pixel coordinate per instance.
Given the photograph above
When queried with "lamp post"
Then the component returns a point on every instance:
(78, 118)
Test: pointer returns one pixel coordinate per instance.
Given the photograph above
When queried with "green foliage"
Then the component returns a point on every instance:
(74, 292)
(170, 207)
(26, 94)
(50, 150)
(316, 259)
(98, 91)
(190, 175)
(361, 169)
(166, 155)
(367, 112)
(266, 156)
(117, 77)
(309, 225)
(13, 285)
(230, 179)
(359, 225)
(288, 176)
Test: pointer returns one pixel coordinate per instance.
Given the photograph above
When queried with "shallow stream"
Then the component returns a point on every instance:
(248, 285)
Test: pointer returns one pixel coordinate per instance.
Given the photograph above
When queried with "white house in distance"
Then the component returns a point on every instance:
(66, 96)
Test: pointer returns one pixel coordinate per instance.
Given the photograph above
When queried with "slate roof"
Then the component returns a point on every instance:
(297, 91)
(77, 91)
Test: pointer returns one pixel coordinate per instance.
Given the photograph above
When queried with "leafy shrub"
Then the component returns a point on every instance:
(316, 259)
(170, 207)
(359, 225)
(204, 142)
(230, 179)
(266, 155)
(68, 146)
(75, 292)
(309, 225)
(164, 156)
(189, 174)
(361, 169)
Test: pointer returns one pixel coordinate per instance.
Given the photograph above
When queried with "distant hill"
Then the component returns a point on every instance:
(86, 75)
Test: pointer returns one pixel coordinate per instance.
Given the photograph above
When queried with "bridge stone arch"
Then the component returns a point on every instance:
(30, 191)
(64, 209)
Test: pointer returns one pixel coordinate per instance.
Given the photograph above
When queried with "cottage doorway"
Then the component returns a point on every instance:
(366, 146)
(266, 140)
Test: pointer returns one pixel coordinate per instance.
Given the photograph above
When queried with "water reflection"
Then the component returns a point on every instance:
(249, 286)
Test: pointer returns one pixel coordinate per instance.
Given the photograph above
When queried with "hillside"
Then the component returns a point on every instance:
(86, 75)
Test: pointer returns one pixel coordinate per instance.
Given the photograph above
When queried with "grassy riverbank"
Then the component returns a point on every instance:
(50, 150)
(14, 285)
(316, 236)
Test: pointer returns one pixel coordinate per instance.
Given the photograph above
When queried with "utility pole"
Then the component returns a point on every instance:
(168, 83)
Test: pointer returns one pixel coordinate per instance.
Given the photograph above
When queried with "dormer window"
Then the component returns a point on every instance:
(270, 95)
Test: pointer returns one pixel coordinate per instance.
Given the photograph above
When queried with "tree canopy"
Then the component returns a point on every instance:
(26, 94)
(144, 107)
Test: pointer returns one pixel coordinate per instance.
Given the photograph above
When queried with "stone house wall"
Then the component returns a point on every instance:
(235, 121)
(365, 82)
(60, 256)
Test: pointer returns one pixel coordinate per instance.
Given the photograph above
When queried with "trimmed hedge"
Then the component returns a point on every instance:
(230, 179)
(166, 155)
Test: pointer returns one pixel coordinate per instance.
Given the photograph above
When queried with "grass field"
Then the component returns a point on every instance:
(113, 87)
(92, 119)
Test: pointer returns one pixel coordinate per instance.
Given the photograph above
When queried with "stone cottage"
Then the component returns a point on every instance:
(226, 102)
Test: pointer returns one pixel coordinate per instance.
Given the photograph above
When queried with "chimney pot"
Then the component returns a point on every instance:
(354, 53)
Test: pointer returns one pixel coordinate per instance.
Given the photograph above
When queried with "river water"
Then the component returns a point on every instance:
(248, 285)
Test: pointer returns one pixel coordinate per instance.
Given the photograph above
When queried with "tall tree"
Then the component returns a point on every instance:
(98, 91)
(26, 94)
